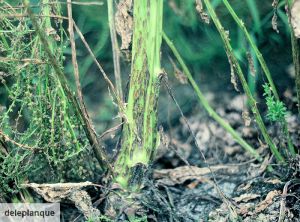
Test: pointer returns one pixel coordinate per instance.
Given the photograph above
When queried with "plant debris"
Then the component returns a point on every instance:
(60, 192)
(295, 18)
(199, 7)
(275, 16)
(180, 175)
(124, 22)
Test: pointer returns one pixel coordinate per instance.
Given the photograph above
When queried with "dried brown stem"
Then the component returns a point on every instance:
(57, 2)
(36, 16)
(74, 56)
(23, 146)
(33, 61)
(115, 48)
(111, 85)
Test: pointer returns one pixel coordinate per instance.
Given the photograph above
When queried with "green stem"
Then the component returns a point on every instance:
(52, 131)
(139, 138)
(258, 54)
(264, 67)
(238, 69)
(206, 105)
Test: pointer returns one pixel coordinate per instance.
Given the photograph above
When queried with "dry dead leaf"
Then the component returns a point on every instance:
(67, 191)
(295, 18)
(58, 191)
(246, 197)
(275, 17)
(267, 201)
(244, 187)
(179, 175)
(124, 22)
(274, 22)
(273, 181)
(199, 8)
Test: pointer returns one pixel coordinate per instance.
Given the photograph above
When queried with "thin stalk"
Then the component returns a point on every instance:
(53, 119)
(206, 105)
(296, 60)
(258, 54)
(105, 76)
(264, 67)
(115, 48)
(74, 56)
(295, 52)
(238, 70)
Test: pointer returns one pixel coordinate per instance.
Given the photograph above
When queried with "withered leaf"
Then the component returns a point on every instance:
(275, 17)
(67, 191)
(246, 197)
(295, 18)
(179, 175)
(268, 201)
(124, 22)
(202, 13)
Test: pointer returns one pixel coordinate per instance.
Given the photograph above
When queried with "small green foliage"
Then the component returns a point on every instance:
(27, 198)
(103, 218)
(12, 171)
(139, 219)
(276, 109)
(36, 112)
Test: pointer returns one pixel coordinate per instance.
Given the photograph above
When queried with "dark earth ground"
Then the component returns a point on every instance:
(174, 190)
(181, 187)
